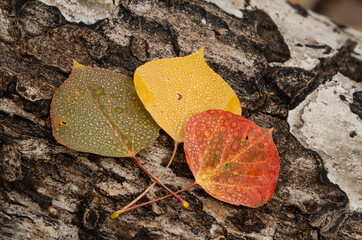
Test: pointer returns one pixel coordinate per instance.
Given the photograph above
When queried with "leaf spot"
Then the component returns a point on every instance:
(227, 166)
(63, 122)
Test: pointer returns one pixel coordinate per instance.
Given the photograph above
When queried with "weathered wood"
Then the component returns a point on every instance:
(48, 191)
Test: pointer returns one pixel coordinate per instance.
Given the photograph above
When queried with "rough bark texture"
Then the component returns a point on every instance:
(48, 191)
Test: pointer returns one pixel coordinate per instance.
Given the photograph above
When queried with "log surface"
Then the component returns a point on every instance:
(274, 55)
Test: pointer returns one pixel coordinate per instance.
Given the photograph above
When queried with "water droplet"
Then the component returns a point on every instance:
(229, 190)
(119, 110)
(235, 146)
(207, 133)
(237, 189)
(100, 91)
(231, 180)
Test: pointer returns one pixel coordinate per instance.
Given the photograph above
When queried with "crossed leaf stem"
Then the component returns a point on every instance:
(186, 204)
(158, 199)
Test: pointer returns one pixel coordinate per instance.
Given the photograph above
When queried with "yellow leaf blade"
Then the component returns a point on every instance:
(174, 89)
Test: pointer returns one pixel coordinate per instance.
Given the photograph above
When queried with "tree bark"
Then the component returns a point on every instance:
(263, 50)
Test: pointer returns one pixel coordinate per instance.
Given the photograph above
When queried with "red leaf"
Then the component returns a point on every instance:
(231, 158)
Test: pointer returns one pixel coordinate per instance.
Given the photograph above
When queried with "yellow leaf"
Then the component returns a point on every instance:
(174, 89)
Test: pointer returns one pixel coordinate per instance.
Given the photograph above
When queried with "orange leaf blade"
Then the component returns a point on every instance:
(231, 158)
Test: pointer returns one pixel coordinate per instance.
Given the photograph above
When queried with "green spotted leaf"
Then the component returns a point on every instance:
(98, 111)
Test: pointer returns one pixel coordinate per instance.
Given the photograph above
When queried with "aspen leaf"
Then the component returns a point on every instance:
(173, 89)
(231, 158)
(98, 111)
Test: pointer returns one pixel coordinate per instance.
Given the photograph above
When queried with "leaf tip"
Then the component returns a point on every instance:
(76, 64)
(200, 52)
(271, 130)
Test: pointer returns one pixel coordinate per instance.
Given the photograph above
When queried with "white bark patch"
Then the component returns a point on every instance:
(323, 122)
(31, 225)
(297, 29)
(35, 149)
(232, 7)
(34, 90)
(313, 29)
(141, 7)
(10, 107)
(113, 188)
(65, 203)
(68, 232)
(110, 165)
(357, 53)
(88, 12)
(118, 33)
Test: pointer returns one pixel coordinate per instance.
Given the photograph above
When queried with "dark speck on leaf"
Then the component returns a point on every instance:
(179, 96)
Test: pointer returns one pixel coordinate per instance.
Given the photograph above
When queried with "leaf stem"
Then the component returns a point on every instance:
(184, 203)
(154, 183)
(115, 214)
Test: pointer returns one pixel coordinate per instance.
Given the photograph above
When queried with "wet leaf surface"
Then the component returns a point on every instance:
(98, 111)
(174, 89)
(232, 158)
